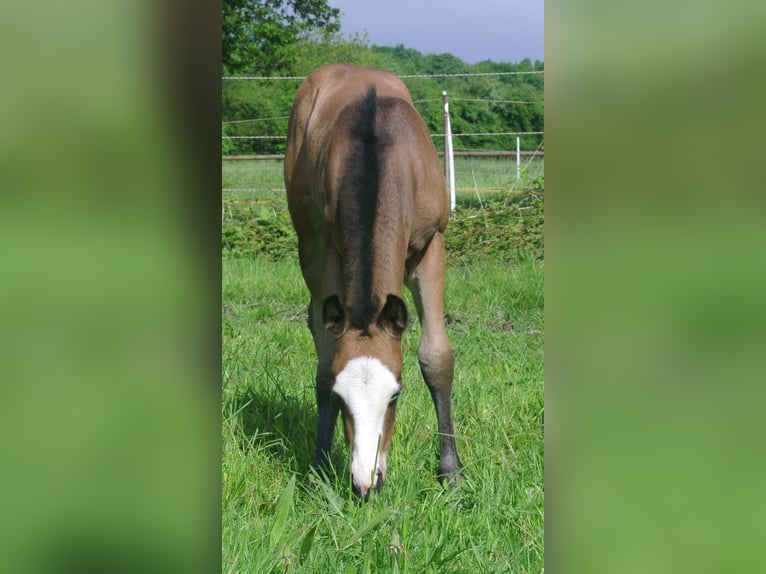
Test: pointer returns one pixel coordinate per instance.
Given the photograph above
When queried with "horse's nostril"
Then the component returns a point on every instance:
(363, 492)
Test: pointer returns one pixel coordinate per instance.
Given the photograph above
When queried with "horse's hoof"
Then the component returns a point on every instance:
(450, 479)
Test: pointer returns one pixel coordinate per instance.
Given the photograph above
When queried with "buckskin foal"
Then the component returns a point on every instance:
(368, 201)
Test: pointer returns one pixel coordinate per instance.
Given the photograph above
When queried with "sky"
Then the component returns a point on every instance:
(472, 30)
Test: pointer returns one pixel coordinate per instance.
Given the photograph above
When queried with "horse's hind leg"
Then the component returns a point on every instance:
(435, 351)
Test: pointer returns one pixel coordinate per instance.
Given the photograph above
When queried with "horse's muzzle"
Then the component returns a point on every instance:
(363, 491)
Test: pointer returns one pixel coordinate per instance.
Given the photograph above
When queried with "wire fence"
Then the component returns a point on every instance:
(476, 171)
(478, 134)
(458, 75)
(268, 129)
(474, 174)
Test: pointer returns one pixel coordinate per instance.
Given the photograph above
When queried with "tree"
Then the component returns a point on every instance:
(259, 36)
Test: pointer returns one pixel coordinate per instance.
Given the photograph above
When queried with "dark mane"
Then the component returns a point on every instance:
(358, 203)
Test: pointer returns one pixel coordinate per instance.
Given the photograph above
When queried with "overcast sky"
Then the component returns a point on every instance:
(472, 30)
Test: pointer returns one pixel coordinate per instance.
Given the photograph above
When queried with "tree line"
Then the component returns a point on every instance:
(293, 37)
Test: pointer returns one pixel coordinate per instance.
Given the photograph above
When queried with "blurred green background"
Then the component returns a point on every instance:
(109, 337)
(654, 286)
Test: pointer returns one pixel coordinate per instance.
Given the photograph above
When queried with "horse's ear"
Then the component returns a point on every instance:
(393, 316)
(332, 315)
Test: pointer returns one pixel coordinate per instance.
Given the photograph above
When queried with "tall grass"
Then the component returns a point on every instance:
(278, 516)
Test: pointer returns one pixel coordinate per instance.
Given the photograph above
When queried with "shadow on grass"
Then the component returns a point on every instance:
(285, 426)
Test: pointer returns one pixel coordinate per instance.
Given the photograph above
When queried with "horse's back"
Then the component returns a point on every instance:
(319, 127)
(346, 124)
(332, 87)
(319, 101)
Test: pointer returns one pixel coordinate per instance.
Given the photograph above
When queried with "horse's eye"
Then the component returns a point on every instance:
(395, 396)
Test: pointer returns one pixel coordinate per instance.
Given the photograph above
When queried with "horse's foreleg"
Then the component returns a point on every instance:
(328, 409)
(327, 404)
(435, 351)
(323, 279)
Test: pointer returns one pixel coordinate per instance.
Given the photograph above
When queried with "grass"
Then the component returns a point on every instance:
(475, 177)
(264, 176)
(277, 516)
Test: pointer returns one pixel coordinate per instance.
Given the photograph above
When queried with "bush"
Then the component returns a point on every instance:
(258, 226)
(504, 228)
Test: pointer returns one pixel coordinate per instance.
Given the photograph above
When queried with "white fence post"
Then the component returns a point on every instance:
(449, 159)
(518, 158)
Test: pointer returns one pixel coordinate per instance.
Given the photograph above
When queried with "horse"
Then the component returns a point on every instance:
(367, 197)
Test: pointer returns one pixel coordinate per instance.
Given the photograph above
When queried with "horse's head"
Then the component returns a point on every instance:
(367, 367)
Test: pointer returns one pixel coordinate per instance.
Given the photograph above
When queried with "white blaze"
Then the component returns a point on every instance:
(366, 386)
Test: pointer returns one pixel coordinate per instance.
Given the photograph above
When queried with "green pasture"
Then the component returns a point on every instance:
(277, 516)
(475, 177)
